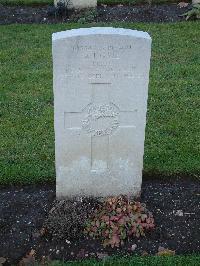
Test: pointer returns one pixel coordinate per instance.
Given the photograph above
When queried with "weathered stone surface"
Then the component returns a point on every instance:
(77, 4)
(194, 2)
(100, 92)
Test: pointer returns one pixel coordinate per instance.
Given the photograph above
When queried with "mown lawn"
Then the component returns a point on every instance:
(26, 101)
(138, 261)
(107, 2)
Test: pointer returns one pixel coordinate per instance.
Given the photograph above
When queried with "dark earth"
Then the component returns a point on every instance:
(120, 13)
(23, 210)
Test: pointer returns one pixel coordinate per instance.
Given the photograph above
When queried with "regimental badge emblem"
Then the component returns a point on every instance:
(101, 119)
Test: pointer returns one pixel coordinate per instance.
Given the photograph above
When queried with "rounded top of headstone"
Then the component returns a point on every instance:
(99, 31)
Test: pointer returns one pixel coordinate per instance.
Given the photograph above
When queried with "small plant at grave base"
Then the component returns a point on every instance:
(66, 219)
(88, 16)
(117, 219)
(194, 13)
(62, 8)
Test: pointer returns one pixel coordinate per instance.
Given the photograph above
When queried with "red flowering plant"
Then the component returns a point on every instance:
(118, 219)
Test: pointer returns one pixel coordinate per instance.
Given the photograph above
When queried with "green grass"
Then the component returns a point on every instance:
(26, 112)
(138, 261)
(107, 2)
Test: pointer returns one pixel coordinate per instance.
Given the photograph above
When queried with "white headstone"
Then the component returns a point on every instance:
(77, 4)
(194, 2)
(101, 80)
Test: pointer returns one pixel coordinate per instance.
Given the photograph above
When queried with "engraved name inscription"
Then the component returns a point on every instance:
(98, 62)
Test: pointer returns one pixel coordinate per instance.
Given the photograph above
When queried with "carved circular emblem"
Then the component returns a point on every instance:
(101, 119)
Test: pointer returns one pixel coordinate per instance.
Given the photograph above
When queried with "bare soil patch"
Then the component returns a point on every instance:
(122, 13)
(23, 210)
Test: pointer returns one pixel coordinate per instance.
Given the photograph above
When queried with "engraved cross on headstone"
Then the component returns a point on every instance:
(100, 118)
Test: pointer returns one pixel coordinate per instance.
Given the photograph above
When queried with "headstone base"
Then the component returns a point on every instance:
(77, 4)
